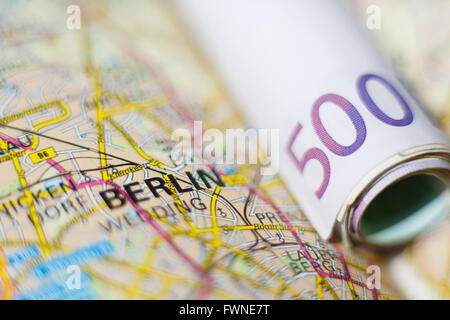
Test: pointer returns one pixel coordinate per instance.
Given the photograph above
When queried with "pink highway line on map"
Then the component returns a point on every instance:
(300, 243)
(308, 257)
(188, 118)
(209, 282)
(347, 272)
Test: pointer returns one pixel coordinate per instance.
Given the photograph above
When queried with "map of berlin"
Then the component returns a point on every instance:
(88, 181)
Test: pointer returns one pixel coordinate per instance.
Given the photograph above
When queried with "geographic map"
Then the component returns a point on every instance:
(89, 183)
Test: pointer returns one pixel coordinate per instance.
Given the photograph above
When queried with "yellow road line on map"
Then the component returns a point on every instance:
(164, 220)
(240, 253)
(355, 264)
(63, 117)
(8, 288)
(158, 239)
(42, 155)
(178, 203)
(252, 227)
(96, 82)
(263, 188)
(100, 132)
(87, 214)
(33, 213)
(89, 271)
(133, 144)
(152, 117)
(227, 270)
(75, 220)
(7, 285)
(360, 267)
(158, 164)
(41, 196)
(141, 106)
(386, 297)
(352, 290)
(167, 282)
(21, 243)
(14, 155)
(100, 126)
(319, 287)
(65, 228)
(330, 289)
(25, 271)
(214, 215)
(117, 284)
(260, 266)
(251, 281)
(159, 273)
(270, 183)
(141, 272)
(126, 171)
(169, 279)
(216, 243)
(192, 233)
(29, 199)
(36, 109)
(321, 282)
(48, 105)
(210, 257)
(197, 233)
(445, 121)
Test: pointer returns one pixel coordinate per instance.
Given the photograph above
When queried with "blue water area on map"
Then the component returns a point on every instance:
(229, 170)
(53, 183)
(23, 255)
(58, 290)
(79, 256)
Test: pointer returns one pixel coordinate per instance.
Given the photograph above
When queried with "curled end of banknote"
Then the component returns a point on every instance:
(405, 201)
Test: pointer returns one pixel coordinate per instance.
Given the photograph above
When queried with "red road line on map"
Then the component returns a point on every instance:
(209, 282)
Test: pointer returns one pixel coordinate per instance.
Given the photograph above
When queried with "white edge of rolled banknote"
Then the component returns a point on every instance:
(349, 129)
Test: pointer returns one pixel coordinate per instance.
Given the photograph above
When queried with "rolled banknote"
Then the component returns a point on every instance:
(357, 151)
